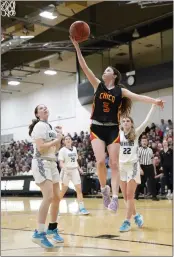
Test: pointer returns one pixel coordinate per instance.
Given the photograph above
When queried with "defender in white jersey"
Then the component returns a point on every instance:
(130, 167)
(70, 171)
(46, 142)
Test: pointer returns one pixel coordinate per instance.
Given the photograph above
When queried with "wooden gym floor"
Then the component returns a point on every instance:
(93, 235)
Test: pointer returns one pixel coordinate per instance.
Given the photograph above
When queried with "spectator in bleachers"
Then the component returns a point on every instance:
(153, 126)
(15, 156)
(163, 126)
(159, 147)
(166, 156)
(170, 142)
(170, 124)
(154, 147)
(159, 176)
(158, 134)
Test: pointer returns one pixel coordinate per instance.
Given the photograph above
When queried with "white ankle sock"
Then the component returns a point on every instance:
(41, 228)
(81, 205)
(103, 188)
(115, 196)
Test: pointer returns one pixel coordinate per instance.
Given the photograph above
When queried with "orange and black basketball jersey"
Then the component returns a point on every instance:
(106, 104)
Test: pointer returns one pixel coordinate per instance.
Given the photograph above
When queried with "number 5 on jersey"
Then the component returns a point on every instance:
(106, 107)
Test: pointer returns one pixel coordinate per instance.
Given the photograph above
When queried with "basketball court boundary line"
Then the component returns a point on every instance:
(65, 246)
(96, 237)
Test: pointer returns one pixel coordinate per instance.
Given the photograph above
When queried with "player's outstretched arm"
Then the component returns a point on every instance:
(89, 74)
(142, 98)
(145, 123)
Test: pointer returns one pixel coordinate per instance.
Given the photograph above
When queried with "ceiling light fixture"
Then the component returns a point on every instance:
(48, 15)
(50, 72)
(13, 83)
(26, 37)
(135, 34)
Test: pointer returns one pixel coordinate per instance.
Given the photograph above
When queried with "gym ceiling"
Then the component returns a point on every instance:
(111, 23)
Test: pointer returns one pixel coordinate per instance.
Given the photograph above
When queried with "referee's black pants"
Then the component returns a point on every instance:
(149, 173)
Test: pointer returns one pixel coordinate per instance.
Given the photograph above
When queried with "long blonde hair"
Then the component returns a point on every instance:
(131, 135)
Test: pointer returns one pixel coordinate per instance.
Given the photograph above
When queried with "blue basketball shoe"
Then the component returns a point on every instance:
(41, 239)
(125, 227)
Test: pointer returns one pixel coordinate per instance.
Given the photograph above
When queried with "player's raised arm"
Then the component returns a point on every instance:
(144, 124)
(142, 98)
(89, 74)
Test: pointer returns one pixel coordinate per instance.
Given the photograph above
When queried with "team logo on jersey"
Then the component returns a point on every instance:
(130, 143)
(52, 134)
(71, 154)
(107, 96)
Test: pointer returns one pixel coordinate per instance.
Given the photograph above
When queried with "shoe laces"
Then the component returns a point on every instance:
(137, 217)
(125, 223)
(55, 230)
(41, 233)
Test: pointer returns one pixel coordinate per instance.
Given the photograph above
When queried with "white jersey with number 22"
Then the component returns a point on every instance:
(129, 149)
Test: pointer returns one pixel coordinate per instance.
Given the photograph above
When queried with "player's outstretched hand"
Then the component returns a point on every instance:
(58, 129)
(75, 43)
(160, 103)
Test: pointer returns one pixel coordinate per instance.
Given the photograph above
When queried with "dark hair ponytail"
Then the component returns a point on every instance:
(31, 127)
(34, 121)
(126, 103)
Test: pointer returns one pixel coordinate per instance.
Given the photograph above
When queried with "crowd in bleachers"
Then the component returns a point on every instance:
(16, 156)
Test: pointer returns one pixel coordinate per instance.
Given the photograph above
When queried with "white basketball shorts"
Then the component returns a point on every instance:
(45, 170)
(130, 171)
(70, 175)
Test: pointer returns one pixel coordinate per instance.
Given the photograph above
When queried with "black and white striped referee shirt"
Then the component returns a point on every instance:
(145, 155)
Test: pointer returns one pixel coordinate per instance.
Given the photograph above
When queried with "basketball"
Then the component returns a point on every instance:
(80, 31)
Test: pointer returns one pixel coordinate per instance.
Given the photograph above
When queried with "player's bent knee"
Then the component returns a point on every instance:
(114, 165)
(56, 198)
(78, 189)
(48, 198)
(101, 162)
(130, 196)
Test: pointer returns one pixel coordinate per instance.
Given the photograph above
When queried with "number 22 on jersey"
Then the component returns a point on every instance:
(127, 150)
(106, 107)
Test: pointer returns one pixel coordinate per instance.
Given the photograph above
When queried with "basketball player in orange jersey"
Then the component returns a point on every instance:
(110, 102)
(46, 142)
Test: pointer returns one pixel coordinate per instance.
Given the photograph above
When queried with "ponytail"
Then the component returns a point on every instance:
(126, 105)
(31, 127)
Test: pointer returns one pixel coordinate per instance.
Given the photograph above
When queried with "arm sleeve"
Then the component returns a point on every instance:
(142, 127)
(61, 155)
(39, 131)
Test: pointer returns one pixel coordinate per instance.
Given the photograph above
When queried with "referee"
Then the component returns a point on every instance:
(146, 162)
